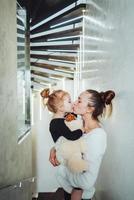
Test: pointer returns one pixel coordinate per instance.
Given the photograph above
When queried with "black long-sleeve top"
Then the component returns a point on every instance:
(58, 128)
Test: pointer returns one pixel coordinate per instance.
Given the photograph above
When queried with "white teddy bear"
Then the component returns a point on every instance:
(70, 153)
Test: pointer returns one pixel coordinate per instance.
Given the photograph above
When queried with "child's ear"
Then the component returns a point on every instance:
(61, 108)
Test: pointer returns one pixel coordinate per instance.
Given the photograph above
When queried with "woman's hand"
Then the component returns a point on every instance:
(52, 157)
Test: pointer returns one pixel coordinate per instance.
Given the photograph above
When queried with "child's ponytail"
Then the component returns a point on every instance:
(45, 93)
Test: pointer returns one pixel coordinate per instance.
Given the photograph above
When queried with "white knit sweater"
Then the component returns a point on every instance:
(96, 141)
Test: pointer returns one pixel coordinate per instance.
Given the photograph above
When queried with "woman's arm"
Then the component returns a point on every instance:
(52, 157)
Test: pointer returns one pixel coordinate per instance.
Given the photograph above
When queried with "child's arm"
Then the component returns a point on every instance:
(74, 124)
(58, 128)
(70, 135)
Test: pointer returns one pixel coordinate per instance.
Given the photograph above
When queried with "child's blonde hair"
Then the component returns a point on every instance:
(54, 100)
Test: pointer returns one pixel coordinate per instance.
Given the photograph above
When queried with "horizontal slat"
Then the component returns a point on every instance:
(62, 57)
(57, 30)
(21, 19)
(39, 60)
(53, 53)
(68, 48)
(20, 60)
(49, 76)
(61, 19)
(54, 43)
(53, 72)
(20, 52)
(72, 38)
(52, 67)
(20, 31)
(21, 66)
(39, 77)
(20, 44)
(67, 33)
(44, 82)
(56, 39)
(68, 22)
(73, 50)
(20, 35)
(73, 5)
(20, 27)
(40, 85)
(53, 63)
(69, 16)
(19, 56)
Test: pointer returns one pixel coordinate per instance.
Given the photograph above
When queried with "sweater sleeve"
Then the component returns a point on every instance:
(58, 128)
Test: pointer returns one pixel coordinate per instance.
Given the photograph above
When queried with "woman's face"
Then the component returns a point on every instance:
(80, 106)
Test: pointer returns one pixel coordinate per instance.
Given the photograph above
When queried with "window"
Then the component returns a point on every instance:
(23, 73)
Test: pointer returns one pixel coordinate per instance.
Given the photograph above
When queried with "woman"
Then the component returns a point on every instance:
(90, 105)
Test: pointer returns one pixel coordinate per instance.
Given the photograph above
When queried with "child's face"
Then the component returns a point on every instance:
(67, 104)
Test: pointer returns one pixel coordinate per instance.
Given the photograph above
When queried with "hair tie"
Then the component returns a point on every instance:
(45, 93)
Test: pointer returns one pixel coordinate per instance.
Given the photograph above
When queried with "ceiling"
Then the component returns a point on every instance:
(40, 9)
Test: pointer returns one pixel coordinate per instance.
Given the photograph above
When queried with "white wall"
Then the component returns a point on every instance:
(42, 142)
(116, 179)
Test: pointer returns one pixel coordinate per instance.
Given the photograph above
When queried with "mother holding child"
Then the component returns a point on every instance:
(90, 105)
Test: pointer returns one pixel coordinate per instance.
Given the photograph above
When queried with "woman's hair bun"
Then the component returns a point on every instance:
(107, 96)
(45, 93)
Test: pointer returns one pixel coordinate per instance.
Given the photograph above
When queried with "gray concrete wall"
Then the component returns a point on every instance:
(111, 66)
(20, 191)
(15, 159)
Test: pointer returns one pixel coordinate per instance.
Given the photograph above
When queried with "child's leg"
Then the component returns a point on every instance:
(76, 194)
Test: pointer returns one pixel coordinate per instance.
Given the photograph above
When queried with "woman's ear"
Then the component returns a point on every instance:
(90, 110)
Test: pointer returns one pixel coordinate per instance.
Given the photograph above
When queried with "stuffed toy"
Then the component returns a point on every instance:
(72, 122)
(70, 153)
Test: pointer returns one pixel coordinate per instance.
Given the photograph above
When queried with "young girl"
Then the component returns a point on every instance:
(59, 103)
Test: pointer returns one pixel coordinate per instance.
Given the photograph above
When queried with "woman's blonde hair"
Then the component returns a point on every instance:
(54, 99)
